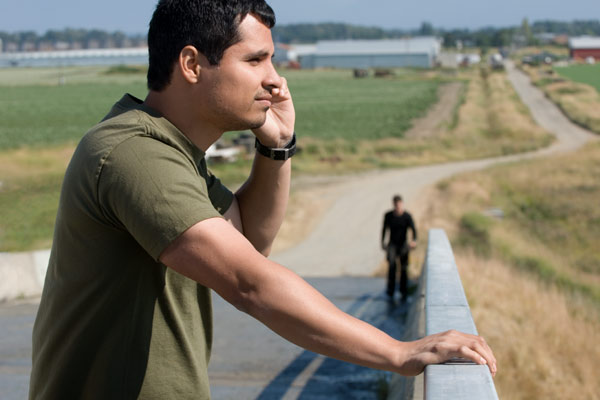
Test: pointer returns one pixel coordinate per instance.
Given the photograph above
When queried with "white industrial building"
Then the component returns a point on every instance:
(414, 52)
(131, 56)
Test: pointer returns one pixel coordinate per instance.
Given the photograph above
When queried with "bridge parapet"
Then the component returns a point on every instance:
(446, 308)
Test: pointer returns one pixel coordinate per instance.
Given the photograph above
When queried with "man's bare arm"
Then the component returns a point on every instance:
(216, 255)
(262, 202)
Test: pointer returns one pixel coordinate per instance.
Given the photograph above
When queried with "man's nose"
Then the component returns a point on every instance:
(272, 79)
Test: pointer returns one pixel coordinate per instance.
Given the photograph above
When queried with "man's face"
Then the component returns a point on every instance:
(237, 91)
(399, 207)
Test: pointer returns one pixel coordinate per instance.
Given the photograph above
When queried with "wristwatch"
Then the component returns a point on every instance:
(279, 154)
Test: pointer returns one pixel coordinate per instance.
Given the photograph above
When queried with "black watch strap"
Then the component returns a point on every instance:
(279, 154)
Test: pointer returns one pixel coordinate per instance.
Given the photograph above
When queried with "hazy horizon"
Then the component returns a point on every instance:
(133, 16)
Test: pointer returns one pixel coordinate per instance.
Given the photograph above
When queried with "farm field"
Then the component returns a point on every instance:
(582, 73)
(50, 114)
(344, 125)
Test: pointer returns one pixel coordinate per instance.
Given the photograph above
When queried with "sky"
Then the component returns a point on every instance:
(132, 16)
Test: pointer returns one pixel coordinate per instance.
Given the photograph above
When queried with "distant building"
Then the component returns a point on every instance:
(415, 52)
(297, 51)
(585, 47)
(131, 56)
(455, 60)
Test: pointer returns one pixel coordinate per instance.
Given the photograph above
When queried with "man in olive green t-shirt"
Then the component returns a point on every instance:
(144, 231)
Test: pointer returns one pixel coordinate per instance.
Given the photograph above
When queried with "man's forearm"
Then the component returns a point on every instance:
(263, 201)
(311, 321)
(217, 256)
(308, 319)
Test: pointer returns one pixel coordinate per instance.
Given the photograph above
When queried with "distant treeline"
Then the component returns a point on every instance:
(68, 39)
(525, 33)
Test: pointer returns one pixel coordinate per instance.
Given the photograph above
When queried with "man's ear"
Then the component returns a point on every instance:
(189, 64)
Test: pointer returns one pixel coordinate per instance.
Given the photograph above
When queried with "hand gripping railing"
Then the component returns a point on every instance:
(446, 308)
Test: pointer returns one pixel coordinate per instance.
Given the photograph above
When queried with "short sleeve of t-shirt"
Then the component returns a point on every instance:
(156, 193)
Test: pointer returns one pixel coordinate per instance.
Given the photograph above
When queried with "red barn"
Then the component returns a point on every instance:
(584, 47)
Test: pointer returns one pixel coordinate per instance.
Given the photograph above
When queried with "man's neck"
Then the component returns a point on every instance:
(172, 107)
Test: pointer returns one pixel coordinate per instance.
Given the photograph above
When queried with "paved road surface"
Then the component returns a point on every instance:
(268, 367)
(249, 361)
(16, 323)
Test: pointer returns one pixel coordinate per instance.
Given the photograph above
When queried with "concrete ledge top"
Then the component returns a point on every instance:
(446, 308)
(459, 382)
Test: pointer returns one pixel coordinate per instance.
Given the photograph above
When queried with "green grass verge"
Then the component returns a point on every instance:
(584, 73)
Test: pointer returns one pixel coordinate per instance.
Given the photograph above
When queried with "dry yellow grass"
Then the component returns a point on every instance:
(546, 347)
(16, 165)
(524, 51)
(578, 101)
(544, 332)
(29, 190)
(494, 115)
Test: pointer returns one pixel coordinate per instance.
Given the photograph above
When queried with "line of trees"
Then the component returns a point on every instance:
(68, 39)
(524, 34)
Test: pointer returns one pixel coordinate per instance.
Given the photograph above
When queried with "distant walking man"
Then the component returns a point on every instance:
(398, 221)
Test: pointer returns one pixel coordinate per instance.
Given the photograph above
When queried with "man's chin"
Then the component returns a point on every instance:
(258, 123)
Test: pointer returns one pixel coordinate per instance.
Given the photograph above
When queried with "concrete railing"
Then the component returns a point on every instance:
(22, 274)
(446, 308)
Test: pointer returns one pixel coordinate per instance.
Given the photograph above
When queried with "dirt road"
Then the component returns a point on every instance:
(346, 240)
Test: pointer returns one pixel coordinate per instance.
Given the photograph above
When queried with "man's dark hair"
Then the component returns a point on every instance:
(211, 26)
(397, 198)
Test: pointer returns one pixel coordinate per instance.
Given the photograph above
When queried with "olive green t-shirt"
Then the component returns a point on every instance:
(113, 322)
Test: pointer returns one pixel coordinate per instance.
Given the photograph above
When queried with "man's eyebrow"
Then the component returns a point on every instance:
(257, 54)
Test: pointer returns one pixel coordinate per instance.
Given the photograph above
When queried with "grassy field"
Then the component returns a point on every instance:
(579, 101)
(489, 120)
(333, 104)
(532, 277)
(582, 73)
(46, 113)
(344, 124)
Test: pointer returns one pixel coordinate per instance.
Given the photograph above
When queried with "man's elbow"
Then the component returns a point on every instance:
(261, 243)
(248, 300)
(266, 250)
(254, 294)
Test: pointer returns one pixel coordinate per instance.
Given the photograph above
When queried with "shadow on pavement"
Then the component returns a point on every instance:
(311, 376)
